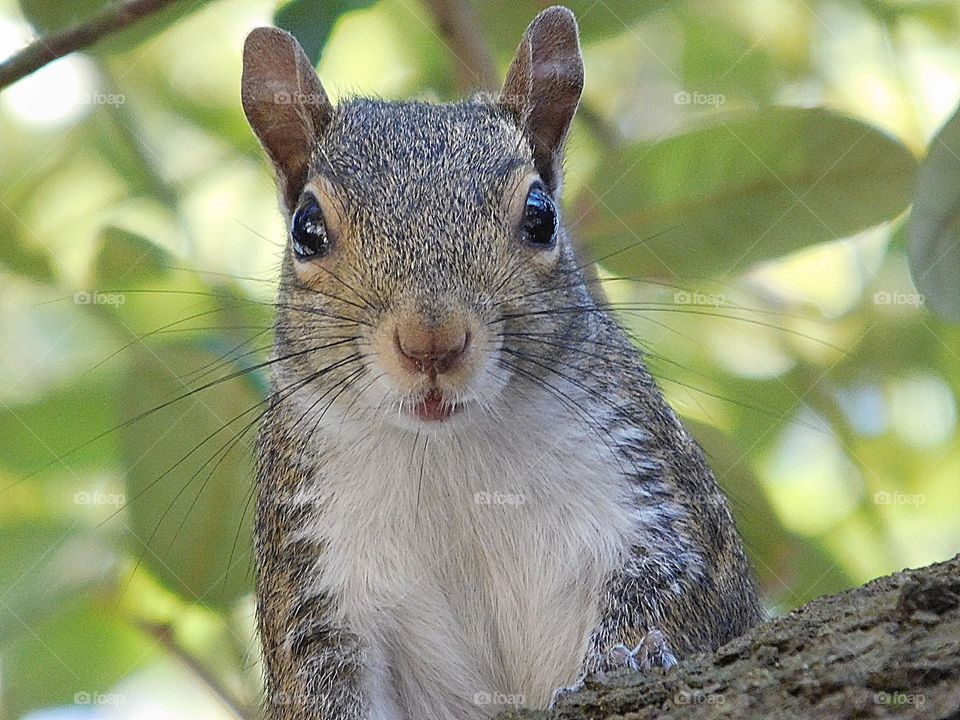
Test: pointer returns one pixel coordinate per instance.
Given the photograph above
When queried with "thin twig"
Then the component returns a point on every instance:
(163, 634)
(460, 31)
(109, 20)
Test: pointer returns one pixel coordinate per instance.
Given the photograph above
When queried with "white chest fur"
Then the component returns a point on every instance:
(470, 562)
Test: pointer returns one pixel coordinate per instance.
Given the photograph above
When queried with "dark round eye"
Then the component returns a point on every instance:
(308, 231)
(540, 218)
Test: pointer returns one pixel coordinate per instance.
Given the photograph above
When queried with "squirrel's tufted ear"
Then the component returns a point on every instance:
(543, 87)
(285, 105)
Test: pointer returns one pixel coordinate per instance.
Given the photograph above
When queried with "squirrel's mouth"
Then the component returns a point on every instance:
(433, 407)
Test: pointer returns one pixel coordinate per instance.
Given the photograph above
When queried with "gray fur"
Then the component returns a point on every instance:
(420, 196)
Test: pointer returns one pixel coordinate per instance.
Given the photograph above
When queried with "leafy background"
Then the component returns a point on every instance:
(744, 169)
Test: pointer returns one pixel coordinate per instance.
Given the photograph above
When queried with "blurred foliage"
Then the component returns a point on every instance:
(935, 223)
(743, 170)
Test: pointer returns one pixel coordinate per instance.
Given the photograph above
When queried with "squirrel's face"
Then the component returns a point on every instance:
(424, 224)
(422, 238)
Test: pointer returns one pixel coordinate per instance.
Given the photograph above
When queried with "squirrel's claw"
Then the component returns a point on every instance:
(562, 692)
(652, 651)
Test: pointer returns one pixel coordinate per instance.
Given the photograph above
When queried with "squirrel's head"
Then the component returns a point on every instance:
(425, 241)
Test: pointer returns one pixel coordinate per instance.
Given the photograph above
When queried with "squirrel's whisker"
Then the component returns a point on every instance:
(598, 428)
(169, 327)
(340, 387)
(230, 357)
(638, 308)
(282, 394)
(292, 387)
(157, 408)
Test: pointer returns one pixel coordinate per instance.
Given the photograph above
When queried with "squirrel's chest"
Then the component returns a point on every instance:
(471, 568)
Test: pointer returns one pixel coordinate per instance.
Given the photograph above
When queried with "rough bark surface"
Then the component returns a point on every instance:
(888, 649)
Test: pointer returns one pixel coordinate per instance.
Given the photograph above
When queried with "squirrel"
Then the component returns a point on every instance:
(471, 493)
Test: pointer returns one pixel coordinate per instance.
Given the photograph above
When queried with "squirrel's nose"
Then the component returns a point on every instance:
(431, 350)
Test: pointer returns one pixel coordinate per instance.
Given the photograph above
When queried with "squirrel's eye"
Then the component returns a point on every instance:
(540, 218)
(307, 230)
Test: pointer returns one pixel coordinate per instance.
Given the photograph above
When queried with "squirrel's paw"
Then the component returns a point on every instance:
(562, 692)
(650, 652)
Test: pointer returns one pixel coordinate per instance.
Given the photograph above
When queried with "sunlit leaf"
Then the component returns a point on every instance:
(713, 201)
(189, 473)
(310, 22)
(783, 561)
(934, 231)
(713, 62)
(39, 434)
(25, 259)
(19, 251)
(44, 564)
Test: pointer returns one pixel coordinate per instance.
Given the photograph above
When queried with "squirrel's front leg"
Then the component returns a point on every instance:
(312, 668)
(312, 662)
(661, 607)
(641, 611)
(312, 659)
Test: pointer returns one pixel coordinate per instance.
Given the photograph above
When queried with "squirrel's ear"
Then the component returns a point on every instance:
(543, 87)
(285, 104)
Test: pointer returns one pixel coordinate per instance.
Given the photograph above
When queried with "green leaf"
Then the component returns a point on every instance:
(712, 202)
(505, 20)
(19, 254)
(26, 260)
(188, 496)
(310, 21)
(39, 434)
(712, 59)
(80, 653)
(124, 256)
(48, 17)
(48, 570)
(933, 239)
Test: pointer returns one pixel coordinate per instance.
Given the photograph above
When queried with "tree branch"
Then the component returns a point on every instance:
(460, 32)
(109, 20)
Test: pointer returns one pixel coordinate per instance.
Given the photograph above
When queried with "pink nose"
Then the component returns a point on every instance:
(431, 350)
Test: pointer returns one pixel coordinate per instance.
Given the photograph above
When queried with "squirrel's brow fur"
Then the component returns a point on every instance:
(464, 144)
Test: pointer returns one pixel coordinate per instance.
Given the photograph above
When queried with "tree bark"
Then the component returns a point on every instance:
(888, 649)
